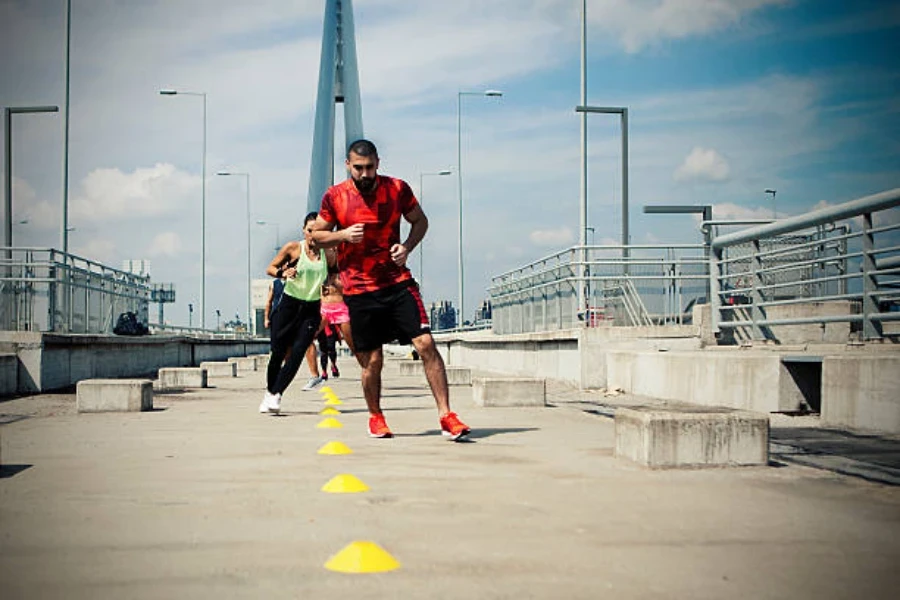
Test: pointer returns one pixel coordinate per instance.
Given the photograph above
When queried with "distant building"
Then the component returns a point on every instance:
(442, 315)
(483, 313)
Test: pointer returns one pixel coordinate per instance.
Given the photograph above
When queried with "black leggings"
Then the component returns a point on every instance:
(327, 348)
(294, 325)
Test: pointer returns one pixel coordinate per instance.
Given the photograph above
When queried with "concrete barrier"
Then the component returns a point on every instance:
(114, 395)
(411, 367)
(509, 391)
(219, 369)
(52, 361)
(861, 392)
(262, 362)
(244, 363)
(9, 374)
(691, 436)
(176, 378)
(459, 376)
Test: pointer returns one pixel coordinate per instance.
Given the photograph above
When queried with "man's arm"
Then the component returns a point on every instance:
(418, 226)
(325, 236)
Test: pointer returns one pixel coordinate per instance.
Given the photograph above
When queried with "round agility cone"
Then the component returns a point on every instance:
(335, 448)
(326, 390)
(333, 401)
(328, 411)
(362, 557)
(344, 484)
(329, 423)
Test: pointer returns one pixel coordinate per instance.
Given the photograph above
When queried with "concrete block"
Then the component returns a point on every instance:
(244, 363)
(509, 391)
(114, 395)
(861, 392)
(262, 361)
(220, 369)
(176, 378)
(411, 367)
(9, 374)
(459, 375)
(691, 436)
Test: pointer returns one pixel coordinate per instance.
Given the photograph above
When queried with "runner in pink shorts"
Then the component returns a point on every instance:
(335, 313)
(335, 324)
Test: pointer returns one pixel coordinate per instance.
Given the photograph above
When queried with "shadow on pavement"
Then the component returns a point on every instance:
(11, 470)
(476, 434)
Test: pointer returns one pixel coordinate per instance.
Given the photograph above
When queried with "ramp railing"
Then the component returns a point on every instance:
(42, 289)
(652, 286)
(838, 264)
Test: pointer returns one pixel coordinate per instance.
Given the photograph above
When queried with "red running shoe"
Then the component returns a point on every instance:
(453, 428)
(335, 372)
(378, 427)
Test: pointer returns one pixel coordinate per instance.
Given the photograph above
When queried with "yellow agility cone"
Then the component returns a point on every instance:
(326, 390)
(344, 484)
(335, 448)
(362, 557)
(329, 411)
(329, 423)
(333, 400)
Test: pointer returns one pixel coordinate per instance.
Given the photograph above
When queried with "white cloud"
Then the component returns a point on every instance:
(109, 194)
(731, 211)
(166, 244)
(96, 249)
(703, 164)
(559, 237)
(649, 22)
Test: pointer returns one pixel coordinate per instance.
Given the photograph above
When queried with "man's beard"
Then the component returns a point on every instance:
(365, 184)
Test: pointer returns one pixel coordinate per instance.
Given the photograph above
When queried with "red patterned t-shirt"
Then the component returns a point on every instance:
(367, 266)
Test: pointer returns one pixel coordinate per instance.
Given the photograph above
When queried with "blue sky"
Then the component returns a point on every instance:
(726, 99)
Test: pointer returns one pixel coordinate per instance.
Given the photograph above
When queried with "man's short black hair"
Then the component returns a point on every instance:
(363, 148)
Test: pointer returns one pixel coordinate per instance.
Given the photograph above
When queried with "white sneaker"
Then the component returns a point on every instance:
(313, 382)
(271, 403)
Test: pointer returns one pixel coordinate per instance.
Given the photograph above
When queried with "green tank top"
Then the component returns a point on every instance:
(306, 285)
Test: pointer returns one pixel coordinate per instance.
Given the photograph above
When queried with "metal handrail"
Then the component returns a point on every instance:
(764, 271)
(868, 204)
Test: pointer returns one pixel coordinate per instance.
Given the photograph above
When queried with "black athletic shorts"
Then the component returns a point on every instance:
(381, 317)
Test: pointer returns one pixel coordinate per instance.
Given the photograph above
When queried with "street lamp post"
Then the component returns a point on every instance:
(421, 200)
(202, 203)
(249, 291)
(8, 112)
(65, 182)
(774, 212)
(461, 282)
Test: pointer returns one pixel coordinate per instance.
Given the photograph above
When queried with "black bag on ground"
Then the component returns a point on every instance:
(128, 324)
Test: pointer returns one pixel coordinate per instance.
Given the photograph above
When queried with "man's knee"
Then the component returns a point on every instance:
(425, 346)
(370, 361)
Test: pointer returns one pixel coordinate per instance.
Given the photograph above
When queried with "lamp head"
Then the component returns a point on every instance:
(445, 172)
(493, 93)
(168, 92)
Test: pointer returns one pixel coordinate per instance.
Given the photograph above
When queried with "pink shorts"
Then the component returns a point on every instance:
(335, 313)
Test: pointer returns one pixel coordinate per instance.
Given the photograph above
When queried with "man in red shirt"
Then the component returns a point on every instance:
(362, 216)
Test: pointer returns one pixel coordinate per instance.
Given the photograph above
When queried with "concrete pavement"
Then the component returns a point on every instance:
(206, 498)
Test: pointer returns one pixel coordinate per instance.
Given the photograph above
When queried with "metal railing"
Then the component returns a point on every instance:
(42, 289)
(590, 286)
(846, 256)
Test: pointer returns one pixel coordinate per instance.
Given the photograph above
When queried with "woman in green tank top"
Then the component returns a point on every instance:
(295, 321)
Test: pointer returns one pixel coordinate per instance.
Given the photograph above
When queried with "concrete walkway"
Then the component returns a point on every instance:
(206, 498)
